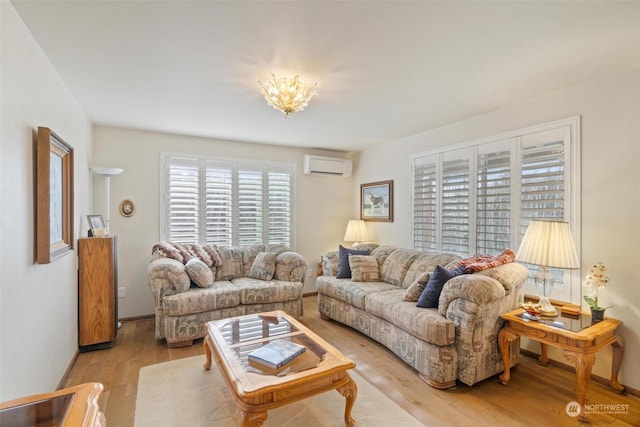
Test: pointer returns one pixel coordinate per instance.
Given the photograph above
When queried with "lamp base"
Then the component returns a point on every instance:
(544, 282)
(546, 307)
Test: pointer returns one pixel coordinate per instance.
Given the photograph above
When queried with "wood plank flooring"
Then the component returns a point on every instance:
(536, 395)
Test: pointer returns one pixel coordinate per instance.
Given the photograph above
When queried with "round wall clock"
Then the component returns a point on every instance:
(127, 208)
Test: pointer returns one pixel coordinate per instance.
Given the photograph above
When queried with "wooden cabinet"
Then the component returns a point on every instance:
(97, 292)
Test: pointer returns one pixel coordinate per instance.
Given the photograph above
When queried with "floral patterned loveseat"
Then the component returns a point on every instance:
(457, 340)
(193, 284)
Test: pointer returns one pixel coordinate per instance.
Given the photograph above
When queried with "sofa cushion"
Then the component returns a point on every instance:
(396, 265)
(263, 267)
(428, 325)
(167, 275)
(414, 291)
(382, 252)
(431, 294)
(426, 262)
(364, 268)
(254, 291)
(344, 271)
(330, 263)
(222, 294)
(249, 254)
(199, 273)
(232, 263)
(348, 291)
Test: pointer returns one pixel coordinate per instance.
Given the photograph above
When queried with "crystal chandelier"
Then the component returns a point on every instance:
(288, 94)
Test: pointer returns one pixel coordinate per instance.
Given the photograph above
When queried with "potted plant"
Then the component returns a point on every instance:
(594, 281)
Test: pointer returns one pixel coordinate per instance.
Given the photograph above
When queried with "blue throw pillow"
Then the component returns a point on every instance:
(344, 271)
(431, 294)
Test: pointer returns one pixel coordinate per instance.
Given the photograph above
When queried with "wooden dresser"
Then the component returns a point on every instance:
(97, 292)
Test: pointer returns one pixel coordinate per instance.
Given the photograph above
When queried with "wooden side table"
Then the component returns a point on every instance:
(70, 407)
(578, 338)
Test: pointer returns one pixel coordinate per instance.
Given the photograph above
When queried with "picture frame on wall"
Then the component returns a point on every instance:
(376, 201)
(97, 225)
(54, 196)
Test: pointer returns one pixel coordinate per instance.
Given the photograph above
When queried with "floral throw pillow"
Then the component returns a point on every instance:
(263, 266)
(364, 268)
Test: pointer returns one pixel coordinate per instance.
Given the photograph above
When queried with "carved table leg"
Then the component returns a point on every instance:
(252, 419)
(584, 363)
(207, 353)
(618, 351)
(350, 392)
(504, 342)
(543, 359)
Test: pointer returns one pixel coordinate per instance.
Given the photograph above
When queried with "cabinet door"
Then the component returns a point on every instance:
(97, 291)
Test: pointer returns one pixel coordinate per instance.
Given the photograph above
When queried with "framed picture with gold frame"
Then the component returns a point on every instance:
(54, 196)
(97, 225)
(127, 208)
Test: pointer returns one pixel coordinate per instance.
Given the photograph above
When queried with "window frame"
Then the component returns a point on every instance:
(513, 141)
(235, 163)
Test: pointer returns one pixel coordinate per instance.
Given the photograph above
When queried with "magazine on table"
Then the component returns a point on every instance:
(277, 353)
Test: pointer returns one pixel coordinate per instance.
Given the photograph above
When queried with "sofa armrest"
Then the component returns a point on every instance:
(166, 276)
(290, 267)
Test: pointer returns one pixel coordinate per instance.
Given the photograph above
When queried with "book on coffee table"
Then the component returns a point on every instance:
(276, 353)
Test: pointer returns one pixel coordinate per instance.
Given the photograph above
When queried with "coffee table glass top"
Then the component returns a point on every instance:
(565, 322)
(245, 334)
(47, 412)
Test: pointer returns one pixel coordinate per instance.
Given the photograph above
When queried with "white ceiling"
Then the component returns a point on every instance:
(385, 70)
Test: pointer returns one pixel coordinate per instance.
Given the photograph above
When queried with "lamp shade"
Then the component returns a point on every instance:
(548, 244)
(356, 231)
(107, 171)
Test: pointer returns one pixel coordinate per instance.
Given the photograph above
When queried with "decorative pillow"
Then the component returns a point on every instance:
(364, 268)
(344, 271)
(431, 294)
(263, 266)
(199, 273)
(478, 263)
(415, 289)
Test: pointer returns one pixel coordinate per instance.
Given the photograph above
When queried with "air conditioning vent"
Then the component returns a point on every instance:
(319, 165)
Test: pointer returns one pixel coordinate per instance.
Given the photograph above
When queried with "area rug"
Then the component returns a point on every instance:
(182, 393)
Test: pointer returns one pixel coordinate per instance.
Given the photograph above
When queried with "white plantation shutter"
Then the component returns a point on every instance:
(493, 206)
(227, 202)
(455, 202)
(279, 206)
(183, 200)
(479, 197)
(425, 203)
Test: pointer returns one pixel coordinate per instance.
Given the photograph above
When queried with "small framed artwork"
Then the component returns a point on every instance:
(127, 208)
(54, 196)
(97, 226)
(376, 201)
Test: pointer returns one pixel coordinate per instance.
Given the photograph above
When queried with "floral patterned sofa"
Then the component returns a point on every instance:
(455, 340)
(193, 284)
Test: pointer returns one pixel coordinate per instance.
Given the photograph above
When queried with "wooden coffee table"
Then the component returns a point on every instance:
(320, 368)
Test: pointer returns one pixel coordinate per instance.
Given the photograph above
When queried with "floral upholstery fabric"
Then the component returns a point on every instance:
(330, 262)
(455, 342)
(414, 290)
(263, 267)
(364, 268)
(182, 311)
(199, 273)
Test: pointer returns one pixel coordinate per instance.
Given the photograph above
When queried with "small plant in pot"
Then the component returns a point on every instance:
(594, 281)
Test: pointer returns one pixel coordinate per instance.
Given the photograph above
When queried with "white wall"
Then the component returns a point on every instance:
(322, 203)
(38, 303)
(610, 110)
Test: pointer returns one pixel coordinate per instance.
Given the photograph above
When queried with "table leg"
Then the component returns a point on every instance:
(252, 419)
(207, 353)
(583, 363)
(618, 351)
(543, 359)
(504, 342)
(350, 392)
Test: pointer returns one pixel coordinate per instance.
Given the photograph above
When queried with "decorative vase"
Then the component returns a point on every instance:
(597, 314)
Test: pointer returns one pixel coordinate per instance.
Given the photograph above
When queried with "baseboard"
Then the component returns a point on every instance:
(144, 316)
(65, 376)
(594, 378)
(310, 294)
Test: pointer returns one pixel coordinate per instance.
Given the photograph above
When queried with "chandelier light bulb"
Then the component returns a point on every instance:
(287, 94)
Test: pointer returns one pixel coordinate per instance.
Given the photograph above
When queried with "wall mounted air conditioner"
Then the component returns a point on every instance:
(319, 165)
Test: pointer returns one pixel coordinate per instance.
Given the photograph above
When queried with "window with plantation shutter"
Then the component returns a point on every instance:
(479, 197)
(226, 202)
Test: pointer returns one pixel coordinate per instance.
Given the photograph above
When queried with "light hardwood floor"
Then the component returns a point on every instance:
(536, 395)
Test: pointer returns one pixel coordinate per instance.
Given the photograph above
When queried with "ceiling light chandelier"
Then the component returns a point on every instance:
(288, 94)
